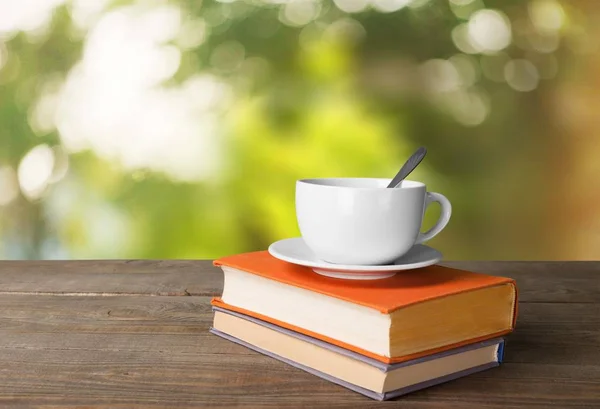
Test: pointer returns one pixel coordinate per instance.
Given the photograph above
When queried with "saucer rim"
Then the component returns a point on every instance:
(355, 268)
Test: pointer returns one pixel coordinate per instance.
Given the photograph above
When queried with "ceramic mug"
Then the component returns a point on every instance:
(359, 221)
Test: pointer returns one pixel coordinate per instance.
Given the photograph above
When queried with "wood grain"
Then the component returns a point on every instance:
(538, 281)
(127, 277)
(154, 351)
(146, 344)
(182, 323)
(556, 281)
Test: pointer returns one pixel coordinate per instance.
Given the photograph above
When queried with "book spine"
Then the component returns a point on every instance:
(500, 352)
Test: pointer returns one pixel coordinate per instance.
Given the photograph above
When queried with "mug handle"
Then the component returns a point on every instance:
(431, 197)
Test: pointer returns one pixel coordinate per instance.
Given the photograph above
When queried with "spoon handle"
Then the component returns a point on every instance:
(408, 167)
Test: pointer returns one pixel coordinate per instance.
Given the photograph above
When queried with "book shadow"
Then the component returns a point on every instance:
(421, 278)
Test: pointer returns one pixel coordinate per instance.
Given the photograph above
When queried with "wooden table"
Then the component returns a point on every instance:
(134, 334)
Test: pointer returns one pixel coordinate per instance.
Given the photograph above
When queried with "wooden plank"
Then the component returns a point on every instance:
(98, 314)
(547, 333)
(556, 334)
(145, 377)
(539, 281)
(128, 351)
(90, 277)
(562, 281)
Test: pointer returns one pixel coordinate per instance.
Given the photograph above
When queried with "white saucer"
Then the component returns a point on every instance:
(295, 251)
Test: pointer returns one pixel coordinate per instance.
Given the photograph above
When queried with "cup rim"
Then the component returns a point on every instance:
(319, 182)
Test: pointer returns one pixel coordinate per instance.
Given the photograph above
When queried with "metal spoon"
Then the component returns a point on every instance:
(408, 167)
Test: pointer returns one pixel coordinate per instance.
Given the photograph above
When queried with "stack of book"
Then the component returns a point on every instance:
(382, 338)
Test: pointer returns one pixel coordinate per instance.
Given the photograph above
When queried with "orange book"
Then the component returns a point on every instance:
(412, 314)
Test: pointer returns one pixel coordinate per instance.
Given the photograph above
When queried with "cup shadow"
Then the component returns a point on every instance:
(431, 276)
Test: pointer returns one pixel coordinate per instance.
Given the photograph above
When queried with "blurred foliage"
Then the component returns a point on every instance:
(315, 91)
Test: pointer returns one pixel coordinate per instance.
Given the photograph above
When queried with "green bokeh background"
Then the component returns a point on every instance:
(331, 93)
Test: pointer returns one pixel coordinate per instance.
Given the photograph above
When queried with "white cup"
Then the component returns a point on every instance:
(359, 221)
